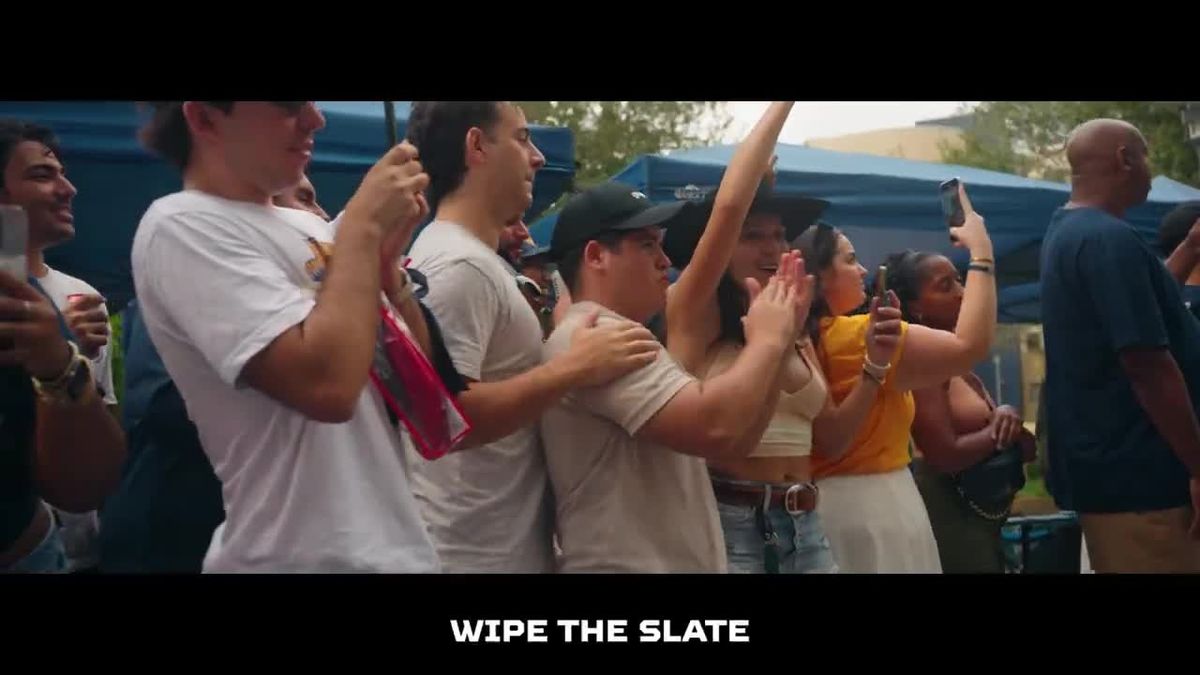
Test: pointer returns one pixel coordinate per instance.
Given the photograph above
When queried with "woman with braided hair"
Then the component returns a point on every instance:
(972, 450)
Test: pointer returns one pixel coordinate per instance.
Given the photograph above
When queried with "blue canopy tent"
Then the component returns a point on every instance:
(118, 180)
(887, 204)
(1163, 189)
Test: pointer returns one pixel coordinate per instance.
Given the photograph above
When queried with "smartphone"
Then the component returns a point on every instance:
(952, 208)
(881, 286)
(14, 237)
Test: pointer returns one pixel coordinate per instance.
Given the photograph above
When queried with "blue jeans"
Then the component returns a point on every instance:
(803, 547)
(50, 556)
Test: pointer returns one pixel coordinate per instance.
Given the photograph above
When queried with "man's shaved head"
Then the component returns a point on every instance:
(1098, 140)
(1109, 164)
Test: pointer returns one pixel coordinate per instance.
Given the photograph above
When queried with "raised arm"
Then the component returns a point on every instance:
(697, 284)
(1186, 256)
(934, 356)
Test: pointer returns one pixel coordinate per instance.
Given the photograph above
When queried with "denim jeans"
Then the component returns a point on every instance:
(803, 547)
(50, 556)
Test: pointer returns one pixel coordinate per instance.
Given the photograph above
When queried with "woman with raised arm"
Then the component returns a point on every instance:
(767, 500)
(971, 452)
(872, 511)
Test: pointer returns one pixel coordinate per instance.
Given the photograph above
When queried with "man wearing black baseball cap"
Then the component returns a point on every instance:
(487, 507)
(627, 459)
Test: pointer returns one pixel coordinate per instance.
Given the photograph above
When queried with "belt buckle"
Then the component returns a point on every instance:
(791, 500)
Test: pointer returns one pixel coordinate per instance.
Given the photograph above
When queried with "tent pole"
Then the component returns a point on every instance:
(389, 116)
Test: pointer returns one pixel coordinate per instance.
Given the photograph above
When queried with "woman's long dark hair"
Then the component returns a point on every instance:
(904, 278)
(732, 303)
(818, 245)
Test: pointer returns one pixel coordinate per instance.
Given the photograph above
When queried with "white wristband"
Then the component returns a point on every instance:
(874, 368)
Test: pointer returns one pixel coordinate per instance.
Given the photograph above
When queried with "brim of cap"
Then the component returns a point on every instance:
(659, 215)
(535, 252)
(798, 214)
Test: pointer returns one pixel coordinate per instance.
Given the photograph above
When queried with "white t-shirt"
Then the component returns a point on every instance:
(626, 504)
(487, 507)
(217, 281)
(80, 531)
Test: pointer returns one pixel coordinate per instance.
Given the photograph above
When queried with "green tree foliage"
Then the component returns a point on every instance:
(1028, 137)
(611, 134)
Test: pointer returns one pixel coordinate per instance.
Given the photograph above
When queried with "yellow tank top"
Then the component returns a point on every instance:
(881, 444)
(789, 433)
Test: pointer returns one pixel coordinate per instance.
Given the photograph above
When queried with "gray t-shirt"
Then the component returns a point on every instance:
(624, 504)
(488, 507)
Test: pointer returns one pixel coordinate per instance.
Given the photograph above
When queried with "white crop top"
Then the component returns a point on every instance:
(789, 433)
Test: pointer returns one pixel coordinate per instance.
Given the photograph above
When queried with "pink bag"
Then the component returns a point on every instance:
(413, 391)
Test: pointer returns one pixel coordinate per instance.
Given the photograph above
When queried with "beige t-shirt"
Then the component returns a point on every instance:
(623, 504)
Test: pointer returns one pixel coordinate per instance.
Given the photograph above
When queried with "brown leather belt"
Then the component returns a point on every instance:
(795, 498)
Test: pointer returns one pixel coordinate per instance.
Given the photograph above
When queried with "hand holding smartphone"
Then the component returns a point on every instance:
(881, 291)
(952, 208)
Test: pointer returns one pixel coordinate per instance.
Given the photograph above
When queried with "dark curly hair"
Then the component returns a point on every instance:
(904, 278)
(1175, 227)
(15, 132)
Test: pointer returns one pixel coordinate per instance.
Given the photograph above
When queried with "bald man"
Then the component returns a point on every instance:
(1122, 367)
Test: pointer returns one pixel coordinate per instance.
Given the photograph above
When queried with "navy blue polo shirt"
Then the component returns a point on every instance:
(1103, 290)
(162, 516)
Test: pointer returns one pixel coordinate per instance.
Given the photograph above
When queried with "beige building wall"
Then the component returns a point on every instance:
(915, 143)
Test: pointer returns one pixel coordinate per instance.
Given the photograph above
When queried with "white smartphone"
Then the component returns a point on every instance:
(14, 237)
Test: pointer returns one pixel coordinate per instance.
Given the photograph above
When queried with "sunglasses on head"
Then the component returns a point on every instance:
(824, 242)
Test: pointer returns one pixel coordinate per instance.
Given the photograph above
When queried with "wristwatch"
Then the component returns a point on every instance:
(405, 291)
(71, 385)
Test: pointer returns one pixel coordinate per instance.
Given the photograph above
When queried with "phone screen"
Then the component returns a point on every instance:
(952, 208)
(14, 236)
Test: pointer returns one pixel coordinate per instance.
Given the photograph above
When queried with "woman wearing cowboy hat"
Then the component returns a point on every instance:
(767, 501)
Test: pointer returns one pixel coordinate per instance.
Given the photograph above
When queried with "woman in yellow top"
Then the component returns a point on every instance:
(763, 486)
(870, 506)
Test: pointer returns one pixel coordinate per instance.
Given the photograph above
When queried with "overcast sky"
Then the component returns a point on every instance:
(820, 119)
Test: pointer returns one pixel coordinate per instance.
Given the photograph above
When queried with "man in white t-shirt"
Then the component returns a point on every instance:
(627, 459)
(488, 507)
(35, 180)
(270, 345)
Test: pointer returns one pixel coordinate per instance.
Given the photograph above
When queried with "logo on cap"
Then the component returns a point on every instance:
(693, 193)
(638, 195)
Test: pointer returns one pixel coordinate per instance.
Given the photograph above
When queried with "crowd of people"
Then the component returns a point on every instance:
(702, 386)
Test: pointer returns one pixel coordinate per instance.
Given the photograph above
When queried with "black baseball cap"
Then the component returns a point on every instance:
(605, 208)
(797, 213)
